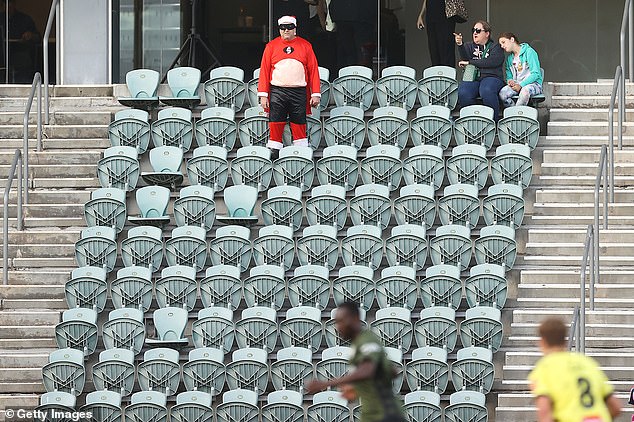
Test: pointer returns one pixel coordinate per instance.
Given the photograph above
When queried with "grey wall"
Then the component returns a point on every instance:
(85, 42)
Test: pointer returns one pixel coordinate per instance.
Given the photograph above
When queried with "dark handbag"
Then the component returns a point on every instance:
(456, 10)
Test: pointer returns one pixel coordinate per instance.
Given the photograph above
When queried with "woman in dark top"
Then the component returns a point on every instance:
(440, 31)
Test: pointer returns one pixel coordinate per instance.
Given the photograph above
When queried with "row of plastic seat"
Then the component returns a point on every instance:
(339, 166)
(266, 285)
(249, 368)
(242, 405)
(275, 245)
(345, 126)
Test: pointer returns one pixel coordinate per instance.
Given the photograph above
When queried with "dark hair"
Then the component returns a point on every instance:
(485, 25)
(509, 35)
(351, 307)
(553, 331)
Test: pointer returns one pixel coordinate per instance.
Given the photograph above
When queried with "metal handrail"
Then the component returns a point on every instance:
(17, 163)
(574, 330)
(618, 80)
(47, 34)
(626, 24)
(37, 83)
(589, 244)
(601, 174)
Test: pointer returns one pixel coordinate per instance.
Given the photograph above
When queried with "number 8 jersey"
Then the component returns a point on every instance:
(575, 385)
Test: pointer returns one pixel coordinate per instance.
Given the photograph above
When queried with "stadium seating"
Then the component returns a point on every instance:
(473, 370)
(292, 369)
(253, 129)
(504, 204)
(438, 87)
(422, 405)
(115, 371)
(176, 287)
(166, 163)
(257, 328)
(173, 127)
(225, 88)
(309, 286)
(388, 126)
(466, 406)
(204, 371)
(209, 167)
(221, 286)
(339, 166)
(159, 371)
(107, 207)
(130, 128)
(142, 85)
(195, 206)
(214, 328)
(512, 164)
(318, 245)
(475, 126)
(132, 288)
(428, 370)
(103, 405)
(283, 405)
(437, 328)
(328, 406)
(441, 286)
(192, 405)
(397, 86)
(283, 206)
(240, 201)
(152, 202)
(302, 328)
(397, 287)
(424, 165)
(143, 247)
(353, 87)
(65, 371)
(183, 82)
(252, 88)
(394, 327)
(407, 246)
(354, 284)
(238, 405)
(459, 205)
(231, 246)
(119, 168)
(216, 127)
(371, 205)
(294, 167)
(345, 126)
(124, 329)
(327, 205)
(147, 406)
(362, 246)
(265, 286)
(87, 288)
(382, 165)
(248, 369)
(415, 205)
(432, 126)
(274, 246)
(78, 330)
(519, 125)
(252, 167)
(97, 247)
(187, 246)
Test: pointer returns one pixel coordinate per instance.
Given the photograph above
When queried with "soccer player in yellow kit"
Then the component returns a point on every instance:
(568, 386)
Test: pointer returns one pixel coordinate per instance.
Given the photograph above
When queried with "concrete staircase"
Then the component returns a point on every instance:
(565, 169)
(42, 256)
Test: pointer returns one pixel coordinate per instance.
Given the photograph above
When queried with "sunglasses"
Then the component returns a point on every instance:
(477, 30)
(287, 27)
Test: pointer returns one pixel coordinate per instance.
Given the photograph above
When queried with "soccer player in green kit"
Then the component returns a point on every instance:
(371, 373)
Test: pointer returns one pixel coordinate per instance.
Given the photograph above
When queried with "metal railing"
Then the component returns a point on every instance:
(619, 76)
(36, 87)
(47, 34)
(627, 25)
(588, 254)
(16, 164)
(575, 333)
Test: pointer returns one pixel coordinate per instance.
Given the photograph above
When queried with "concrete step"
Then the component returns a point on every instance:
(586, 101)
(585, 156)
(91, 183)
(13, 375)
(603, 87)
(580, 209)
(616, 358)
(608, 250)
(45, 157)
(574, 169)
(54, 276)
(26, 291)
(521, 409)
(576, 221)
(564, 291)
(23, 90)
(597, 316)
(553, 235)
(22, 387)
(47, 171)
(614, 373)
(28, 358)
(17, 401)
(27, 332)
(571, 302)
(584, 115)
(62, 103)
(565, 141)
(59, 118)
(59, 222)
(587, 128)
(572, 276)
(575, 181)
(54, 196)
(536, 256)
(29, 317)
(40, 262)
(579, 195)
(21, 304)
(56, 131)
(57, 144)
(44, 210)
(33, 236)
(41, 251)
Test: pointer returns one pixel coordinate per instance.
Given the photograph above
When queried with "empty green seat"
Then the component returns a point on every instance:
(395, 356)
(486, 286)
(107, 207)
(328, 406)
(231, 246)
(397, 287)
(333, 338)
(225, 88)
(468, 164)
(475, 126)
(65, 371)
(119, 168)
(424, 165)
(78, 330)
(339, 166)
(177, 287)
(187, 246)
(382, 165)
(240, 201)
(265, 286)
(173, 127)
(252, 88)
(415, 205)
(438, 87)
(283, 206)
(459, 205)
(302, 328)
(147, 406)
(192, 406)
(159, 371)
(257, 328)
(437, 327)
(142, 85)
(504, 204)
(324, 88)
(389, 126)
(221, 286)
(274, 246)
(362, 245)
(407, 245)
(327, 205)
(183, 82)
(204, 370)
(496, 245)
(441, 286)
(519, 125)
(283, 405)
(143, 247)
(238, 405)
(309, 286)
(451, 245)
(394, 327)
(345, 126)
(130, 128)
(55, 401)
(397, 86)
(214, 328)
(103, 405)
(209, 167)
(152, 202)
(87, 288)
(482, 327)
(132, 288)
(371, 205)
(115, 371)
(422, 405)
(318, 245)
(216, 127)
(473, 370)
(166, 163)
(354, 87)
(195, 206)
(466, 406)
(512, 164)
(428, 370)
(97, 247)
(248, 369)
(432, 126)
(292, 369)
(124, 329)
(252, 167)
(295, 167)
(253, 129)
(354, 284)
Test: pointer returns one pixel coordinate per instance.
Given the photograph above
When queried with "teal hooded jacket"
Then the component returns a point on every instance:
(529, 57)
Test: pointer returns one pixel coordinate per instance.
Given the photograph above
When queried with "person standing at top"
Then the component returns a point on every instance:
(568, 386)
(289, 84)
(371, 373)
(523, 71)
(487, 56)
(440, 29)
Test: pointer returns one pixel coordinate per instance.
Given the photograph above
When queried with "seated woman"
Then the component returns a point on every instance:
(487, 56)
(523, 73)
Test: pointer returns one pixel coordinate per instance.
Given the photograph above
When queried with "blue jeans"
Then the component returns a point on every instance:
(486, 88)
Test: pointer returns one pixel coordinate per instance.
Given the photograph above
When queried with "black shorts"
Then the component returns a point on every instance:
(287, 104)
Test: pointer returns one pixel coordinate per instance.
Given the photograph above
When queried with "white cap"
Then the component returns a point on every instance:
(287, 19)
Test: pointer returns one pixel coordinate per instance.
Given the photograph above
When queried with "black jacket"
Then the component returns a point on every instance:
(491, 65)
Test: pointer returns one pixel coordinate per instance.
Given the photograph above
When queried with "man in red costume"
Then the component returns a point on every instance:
(289, 84)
